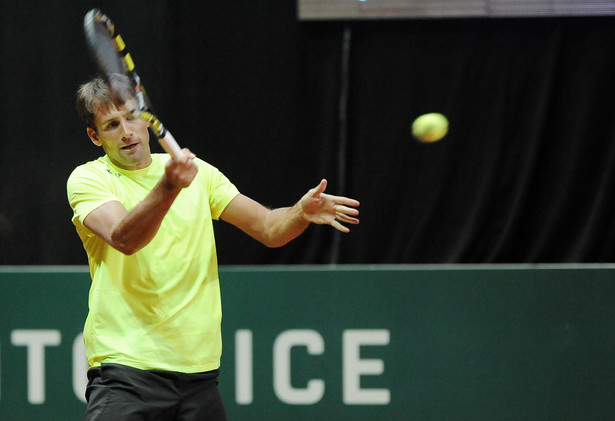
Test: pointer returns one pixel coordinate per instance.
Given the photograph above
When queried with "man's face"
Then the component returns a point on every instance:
(122, 135)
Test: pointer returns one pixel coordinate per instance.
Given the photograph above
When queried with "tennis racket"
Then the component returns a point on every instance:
(109, 51)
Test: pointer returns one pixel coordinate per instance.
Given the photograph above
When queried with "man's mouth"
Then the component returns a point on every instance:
(129, 147)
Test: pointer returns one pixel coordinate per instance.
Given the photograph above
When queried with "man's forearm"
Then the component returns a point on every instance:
(139, 226)
(283, 225)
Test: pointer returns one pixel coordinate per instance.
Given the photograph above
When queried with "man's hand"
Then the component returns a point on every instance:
(321, 208)
(180, 172)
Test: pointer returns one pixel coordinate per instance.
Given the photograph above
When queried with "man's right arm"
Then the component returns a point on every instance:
(130, 231)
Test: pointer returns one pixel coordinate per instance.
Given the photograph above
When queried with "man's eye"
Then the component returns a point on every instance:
(112, 125)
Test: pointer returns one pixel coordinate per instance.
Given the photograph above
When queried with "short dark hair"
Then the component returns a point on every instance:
(97, 92)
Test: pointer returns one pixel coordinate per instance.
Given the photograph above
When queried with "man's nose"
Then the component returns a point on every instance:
(126, 130)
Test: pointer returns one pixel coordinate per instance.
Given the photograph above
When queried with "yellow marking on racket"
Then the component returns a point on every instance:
(130, 65)
(119, 43)
(149, 117)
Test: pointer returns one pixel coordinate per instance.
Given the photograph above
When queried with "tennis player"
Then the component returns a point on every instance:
(152, 334)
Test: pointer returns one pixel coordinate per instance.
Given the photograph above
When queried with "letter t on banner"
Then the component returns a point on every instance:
(36, 341)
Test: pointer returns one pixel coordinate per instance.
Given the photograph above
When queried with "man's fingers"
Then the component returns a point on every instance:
(320, 188)
(341, 200)
(345, 218)
(335, 224)
(341, 209)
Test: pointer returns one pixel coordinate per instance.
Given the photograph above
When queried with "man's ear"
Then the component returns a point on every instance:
(94, 136)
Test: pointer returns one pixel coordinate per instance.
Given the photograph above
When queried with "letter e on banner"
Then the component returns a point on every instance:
(355, 367)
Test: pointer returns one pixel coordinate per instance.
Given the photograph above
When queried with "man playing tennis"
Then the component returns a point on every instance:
(152, 334)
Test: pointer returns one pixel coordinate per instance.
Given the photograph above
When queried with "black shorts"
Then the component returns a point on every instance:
(117, 393)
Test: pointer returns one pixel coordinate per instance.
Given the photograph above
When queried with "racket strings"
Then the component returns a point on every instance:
(113, 58)
(106, 34)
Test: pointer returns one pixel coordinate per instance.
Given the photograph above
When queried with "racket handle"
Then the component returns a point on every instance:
(169, 144)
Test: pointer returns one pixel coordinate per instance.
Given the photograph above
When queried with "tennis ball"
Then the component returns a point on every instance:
(430, 127)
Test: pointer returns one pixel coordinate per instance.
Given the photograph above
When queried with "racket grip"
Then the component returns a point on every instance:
(169, 144)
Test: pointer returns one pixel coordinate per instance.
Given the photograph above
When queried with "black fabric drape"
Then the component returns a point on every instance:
(524, 175)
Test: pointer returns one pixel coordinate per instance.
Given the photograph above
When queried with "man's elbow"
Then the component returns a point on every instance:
(275, 243)
(128, 251)
(124, 247)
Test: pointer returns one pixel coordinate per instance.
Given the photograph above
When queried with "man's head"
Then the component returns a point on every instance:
(97, 93)
(112, 124)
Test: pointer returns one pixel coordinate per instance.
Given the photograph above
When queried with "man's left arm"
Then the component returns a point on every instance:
(276, 227)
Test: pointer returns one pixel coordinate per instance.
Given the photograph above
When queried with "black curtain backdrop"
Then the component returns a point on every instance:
(526, 173)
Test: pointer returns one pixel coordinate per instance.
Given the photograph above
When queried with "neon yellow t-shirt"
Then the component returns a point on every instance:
(160, 307)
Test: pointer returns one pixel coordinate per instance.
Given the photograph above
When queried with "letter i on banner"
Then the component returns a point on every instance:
(243, 367)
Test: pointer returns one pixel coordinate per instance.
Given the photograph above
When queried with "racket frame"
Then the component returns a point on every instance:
(144, 111)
